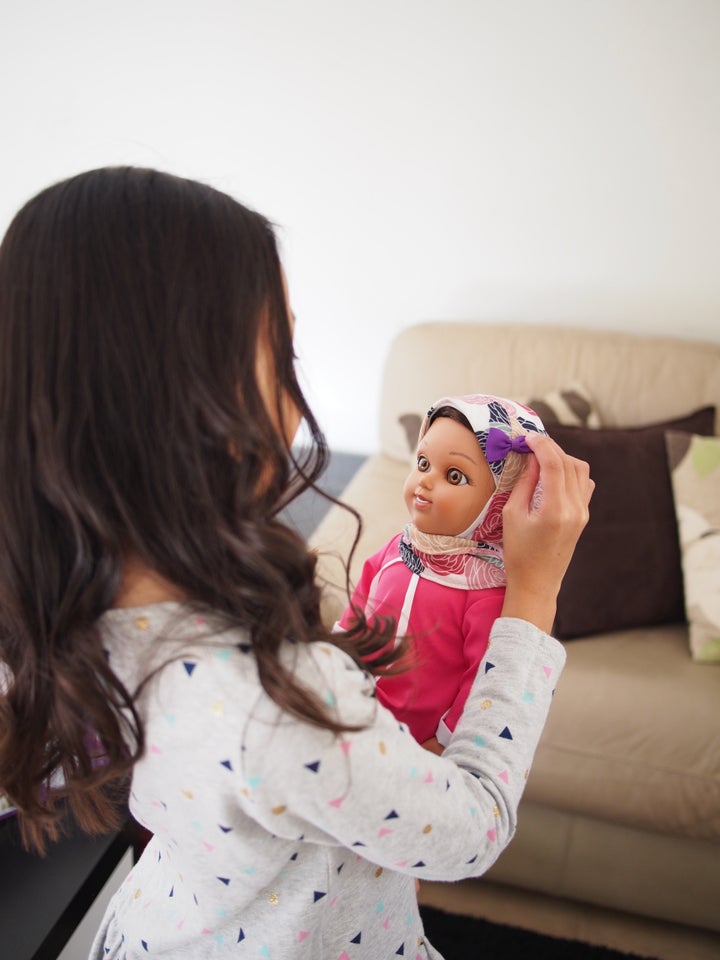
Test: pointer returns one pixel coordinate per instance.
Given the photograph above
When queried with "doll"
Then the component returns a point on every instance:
(443, 577)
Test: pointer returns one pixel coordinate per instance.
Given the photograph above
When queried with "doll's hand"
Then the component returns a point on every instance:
(540, 534)
(434, 746)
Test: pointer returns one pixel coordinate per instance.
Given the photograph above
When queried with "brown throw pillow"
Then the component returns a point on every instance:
(626, 570)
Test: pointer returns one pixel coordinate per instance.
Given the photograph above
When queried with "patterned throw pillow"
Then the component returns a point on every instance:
(695, 473)
(571, 405)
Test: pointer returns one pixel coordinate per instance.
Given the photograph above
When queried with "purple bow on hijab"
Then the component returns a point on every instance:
(499, 445)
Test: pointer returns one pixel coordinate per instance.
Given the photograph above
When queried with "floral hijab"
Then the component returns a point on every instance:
(474, 559)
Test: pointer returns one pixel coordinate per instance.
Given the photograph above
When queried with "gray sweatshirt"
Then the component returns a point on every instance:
(276, 839)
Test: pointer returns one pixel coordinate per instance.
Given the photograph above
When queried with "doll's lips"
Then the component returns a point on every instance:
(421, 502)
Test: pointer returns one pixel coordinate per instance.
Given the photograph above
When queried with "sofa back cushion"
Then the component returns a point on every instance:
(633, 379)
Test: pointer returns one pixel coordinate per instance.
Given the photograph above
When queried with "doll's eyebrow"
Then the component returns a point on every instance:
(456, 453)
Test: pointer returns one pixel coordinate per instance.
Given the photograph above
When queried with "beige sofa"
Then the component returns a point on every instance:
(619, 829)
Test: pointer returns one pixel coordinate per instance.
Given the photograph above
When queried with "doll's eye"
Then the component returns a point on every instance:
(456, 477)
(423, 464)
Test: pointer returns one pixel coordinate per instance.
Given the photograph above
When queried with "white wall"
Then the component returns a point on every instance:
(521, 159)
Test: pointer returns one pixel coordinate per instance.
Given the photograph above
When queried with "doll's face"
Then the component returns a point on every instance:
(451, 481)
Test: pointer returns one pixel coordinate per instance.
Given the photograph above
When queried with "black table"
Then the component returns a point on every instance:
(43, 899)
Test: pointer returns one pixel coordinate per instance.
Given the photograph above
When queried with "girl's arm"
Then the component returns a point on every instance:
(379, 793)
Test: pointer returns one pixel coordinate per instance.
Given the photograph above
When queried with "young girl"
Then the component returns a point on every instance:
(159, 627)
(443, 577)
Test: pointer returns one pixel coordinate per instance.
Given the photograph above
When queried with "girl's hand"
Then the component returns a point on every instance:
(540, 532)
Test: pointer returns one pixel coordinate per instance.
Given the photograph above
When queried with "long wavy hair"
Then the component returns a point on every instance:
(133, 308)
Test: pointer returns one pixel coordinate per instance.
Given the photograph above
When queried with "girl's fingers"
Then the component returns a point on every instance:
(543, 519)
(564, 479)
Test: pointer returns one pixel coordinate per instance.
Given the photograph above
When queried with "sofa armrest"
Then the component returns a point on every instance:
(376, 493)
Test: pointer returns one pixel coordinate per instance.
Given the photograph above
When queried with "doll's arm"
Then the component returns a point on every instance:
(361, 593)
(480, 614)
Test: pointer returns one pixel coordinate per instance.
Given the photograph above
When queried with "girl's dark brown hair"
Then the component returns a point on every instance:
(132, 423)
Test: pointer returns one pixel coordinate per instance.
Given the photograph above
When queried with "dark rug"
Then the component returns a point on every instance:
(469, 938)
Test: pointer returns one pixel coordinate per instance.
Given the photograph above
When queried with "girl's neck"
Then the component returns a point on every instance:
(141, 585)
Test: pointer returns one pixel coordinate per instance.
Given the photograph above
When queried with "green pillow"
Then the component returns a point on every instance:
(695, 475)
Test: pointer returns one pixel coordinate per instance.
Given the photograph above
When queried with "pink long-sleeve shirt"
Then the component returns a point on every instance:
(449, 628)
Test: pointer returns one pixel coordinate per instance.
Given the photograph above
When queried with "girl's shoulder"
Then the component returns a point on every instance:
(174, 643)
(163, 640)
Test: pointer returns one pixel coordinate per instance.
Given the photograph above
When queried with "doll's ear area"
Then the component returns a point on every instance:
(410, 423)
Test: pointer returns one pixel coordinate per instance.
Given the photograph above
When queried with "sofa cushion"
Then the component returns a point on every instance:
(631, 737)
(626, 569)
(695, 474)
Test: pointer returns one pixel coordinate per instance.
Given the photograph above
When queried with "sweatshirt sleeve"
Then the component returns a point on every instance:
(377, 792)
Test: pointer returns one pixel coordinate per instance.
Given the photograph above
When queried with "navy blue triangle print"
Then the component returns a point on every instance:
(528, 424)
(498, 414)
(318, 895)
(391, 816)
(314, 766)
(506, 735)
(189, 667)
(357, 939)
(489, 666)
